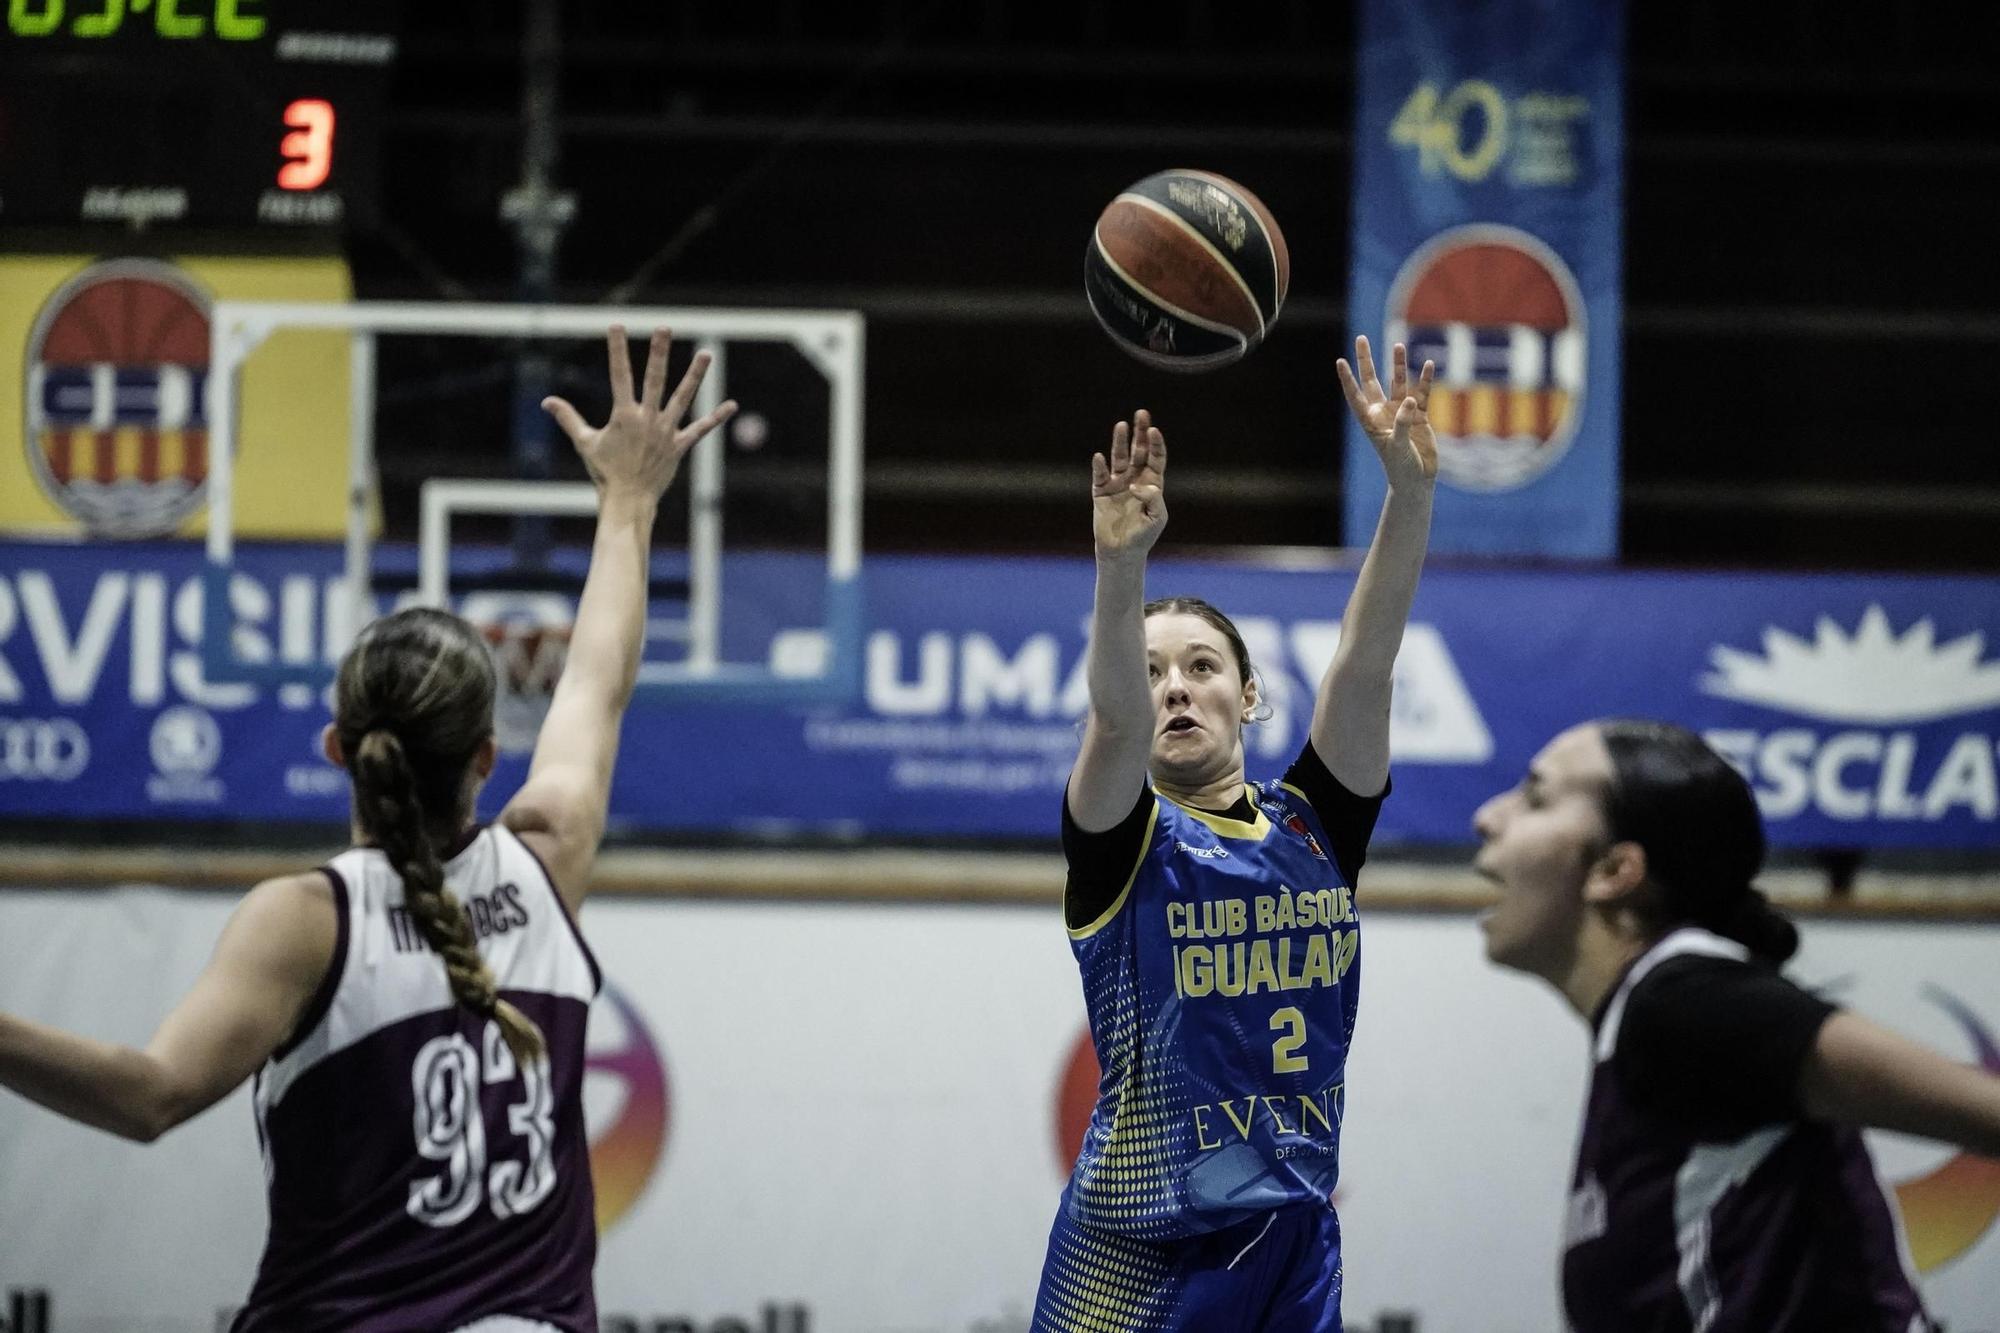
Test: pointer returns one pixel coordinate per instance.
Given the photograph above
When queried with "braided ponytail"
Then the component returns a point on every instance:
(1748, 918)
(413, 701)
(385, 790)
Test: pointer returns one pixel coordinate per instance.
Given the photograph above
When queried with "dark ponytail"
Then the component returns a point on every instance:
(1750, 920)
(1698, 822)
(413, 702)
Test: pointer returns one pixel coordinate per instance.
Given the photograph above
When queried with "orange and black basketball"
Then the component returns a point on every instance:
(1186, 270)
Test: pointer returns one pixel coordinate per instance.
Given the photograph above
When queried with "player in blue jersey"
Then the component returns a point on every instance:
(1214, 919)
(413, 1013)
(1721, 1185)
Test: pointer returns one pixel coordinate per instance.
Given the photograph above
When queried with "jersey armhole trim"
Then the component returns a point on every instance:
(575, 931)
(1145, 847)
(329, 985)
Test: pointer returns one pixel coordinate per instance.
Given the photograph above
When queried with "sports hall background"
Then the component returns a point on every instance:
(841, 1061)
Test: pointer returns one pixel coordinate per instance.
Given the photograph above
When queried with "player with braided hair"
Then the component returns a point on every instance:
(429, 672)
(413, 1012)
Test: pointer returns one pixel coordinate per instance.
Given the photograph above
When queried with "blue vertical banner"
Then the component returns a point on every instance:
(1488, 207)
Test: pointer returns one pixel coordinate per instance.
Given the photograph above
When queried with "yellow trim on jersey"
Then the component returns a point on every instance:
(1145, 846)
(1255, 831)
(1296, 792)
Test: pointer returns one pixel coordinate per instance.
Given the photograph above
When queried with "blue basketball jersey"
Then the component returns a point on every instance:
(1221, 987)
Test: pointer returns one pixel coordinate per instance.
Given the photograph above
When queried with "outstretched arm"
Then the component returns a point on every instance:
(1128, 512)
(270, 959)
(559, 811)
(1350, 726)
(1859, 1073)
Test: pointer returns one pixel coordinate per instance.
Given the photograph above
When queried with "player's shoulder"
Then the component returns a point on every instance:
(1279, 797)
(1700, 989)
(1687, 968)
(1693, 959)
(319, 887)
(290, 918)
(1284, 805)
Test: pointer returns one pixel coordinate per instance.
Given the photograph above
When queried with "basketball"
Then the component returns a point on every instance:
(1186, 270)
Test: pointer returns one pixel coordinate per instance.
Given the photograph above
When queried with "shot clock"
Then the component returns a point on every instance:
(216, 114)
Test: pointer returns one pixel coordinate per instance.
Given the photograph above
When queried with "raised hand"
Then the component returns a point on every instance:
(1127, 497)
(1397, 423)
(642, 444)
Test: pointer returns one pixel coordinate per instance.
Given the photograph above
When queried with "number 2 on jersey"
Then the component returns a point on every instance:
(1292, 1023)
(446, 1079)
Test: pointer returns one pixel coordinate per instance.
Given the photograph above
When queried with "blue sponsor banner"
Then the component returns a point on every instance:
(1487, 217)
(1866, 710)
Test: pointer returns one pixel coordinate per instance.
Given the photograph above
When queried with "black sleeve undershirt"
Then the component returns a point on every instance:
(1349, 820)
(1716, 1045)
(1101, 863)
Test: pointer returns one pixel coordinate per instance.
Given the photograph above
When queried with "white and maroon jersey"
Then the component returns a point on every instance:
(1703, 1201)
(419, 1178)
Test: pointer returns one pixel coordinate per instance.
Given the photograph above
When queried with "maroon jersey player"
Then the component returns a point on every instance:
(1721, 1185)
(413, 1012)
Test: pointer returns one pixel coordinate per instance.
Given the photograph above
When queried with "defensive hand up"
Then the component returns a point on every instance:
(642, 445)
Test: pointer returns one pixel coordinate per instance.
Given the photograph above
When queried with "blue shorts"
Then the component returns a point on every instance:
(1275, 1273)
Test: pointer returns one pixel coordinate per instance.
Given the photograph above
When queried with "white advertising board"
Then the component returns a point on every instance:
(851, 1118)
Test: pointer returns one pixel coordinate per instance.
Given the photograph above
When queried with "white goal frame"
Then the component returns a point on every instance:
(833, 342)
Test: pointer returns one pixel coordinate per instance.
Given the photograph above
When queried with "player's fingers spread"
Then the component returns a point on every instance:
(1100, 474)
(703, 425)
(1364, 362)
(1156, 445)
(1348, 386)
(1406, 414)
(621, 365)
(1121, 447)
(656, 366)
(571, 420)
(1424, 382)
(1399, 371)
(690, 385)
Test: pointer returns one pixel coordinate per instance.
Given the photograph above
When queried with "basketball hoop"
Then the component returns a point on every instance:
(527, 661)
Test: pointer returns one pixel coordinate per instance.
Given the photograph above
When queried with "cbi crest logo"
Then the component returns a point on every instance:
(117, 429)
(1503, 318)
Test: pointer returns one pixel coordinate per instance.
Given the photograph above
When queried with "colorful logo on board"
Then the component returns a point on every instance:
(623, 1072)
(1947, 1211)
(117, 428)
(1503, 318)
